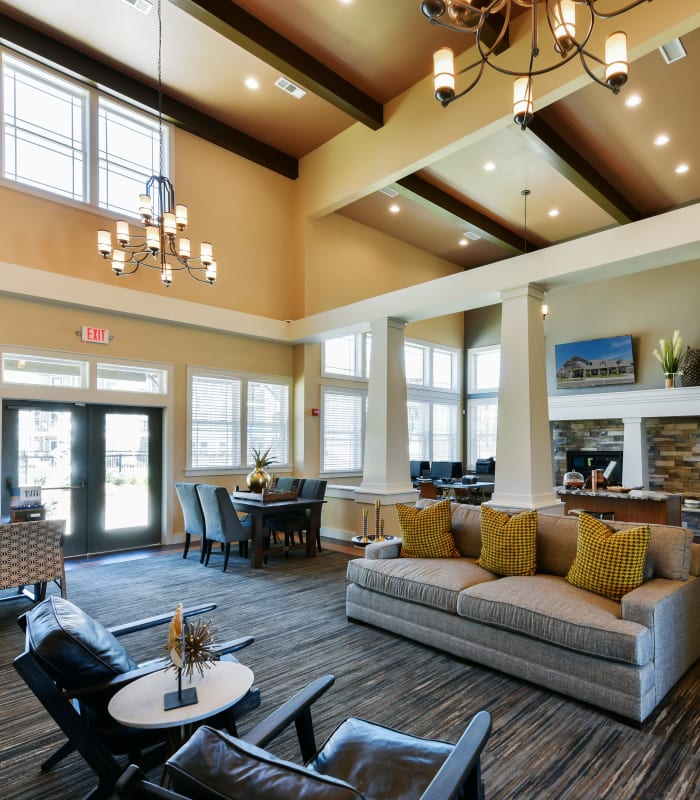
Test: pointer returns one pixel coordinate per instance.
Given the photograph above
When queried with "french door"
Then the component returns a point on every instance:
(99, 467)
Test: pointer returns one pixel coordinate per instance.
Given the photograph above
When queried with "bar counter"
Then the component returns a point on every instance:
(634, 506)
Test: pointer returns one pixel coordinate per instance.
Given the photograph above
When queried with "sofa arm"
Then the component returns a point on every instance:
(670, 609)
(377, 550)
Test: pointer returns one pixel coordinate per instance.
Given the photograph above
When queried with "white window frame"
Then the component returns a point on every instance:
(473, 356)
(91, 138)
(361, 394)
(473, 435)
(432, 399)
(361, 349)
(241, 462)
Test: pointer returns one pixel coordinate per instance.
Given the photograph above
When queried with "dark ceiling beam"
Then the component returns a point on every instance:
(243, 29)
(487, 228)
(567, 161)
(97, 74)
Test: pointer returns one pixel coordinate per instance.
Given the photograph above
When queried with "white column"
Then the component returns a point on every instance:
(635, 464)
(386, 468)
(524, 444)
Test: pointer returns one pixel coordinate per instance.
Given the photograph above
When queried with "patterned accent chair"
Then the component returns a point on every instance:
(31, 553)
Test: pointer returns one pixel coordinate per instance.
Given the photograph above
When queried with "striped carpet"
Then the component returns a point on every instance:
(543, 746)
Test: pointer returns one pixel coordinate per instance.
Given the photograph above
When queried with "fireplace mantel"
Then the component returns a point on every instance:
(644, 403)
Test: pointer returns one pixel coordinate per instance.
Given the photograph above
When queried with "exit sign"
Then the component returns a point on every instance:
(95, 335)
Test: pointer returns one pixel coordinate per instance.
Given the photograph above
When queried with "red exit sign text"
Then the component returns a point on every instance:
(95, 335)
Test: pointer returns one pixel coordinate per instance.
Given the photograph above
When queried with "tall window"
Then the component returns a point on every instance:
(432, 378)
(129, 153)
(44, 130)
(56, 133)
(483, 366)
(342, 429)
(230, 414)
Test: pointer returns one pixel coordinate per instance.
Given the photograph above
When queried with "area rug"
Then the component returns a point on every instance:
(544, 746)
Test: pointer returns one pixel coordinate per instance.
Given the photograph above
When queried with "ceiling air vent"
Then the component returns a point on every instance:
(290, 88)
(471, 235)
(144, 6)
(389, 192)
(673, 51)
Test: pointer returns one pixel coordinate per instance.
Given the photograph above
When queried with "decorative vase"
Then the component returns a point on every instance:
(258, 480)
(670, 378)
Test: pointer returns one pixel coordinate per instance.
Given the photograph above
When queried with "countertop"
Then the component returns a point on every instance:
(634, 494)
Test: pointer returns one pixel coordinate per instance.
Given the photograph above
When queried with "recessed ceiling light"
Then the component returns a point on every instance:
(681, 169)
(252, 83)
(633, 101)
(489, 166)
(463, 242)
(394, 208)
(144, 6)
(662, 139)
(553, 212)
(345, 2)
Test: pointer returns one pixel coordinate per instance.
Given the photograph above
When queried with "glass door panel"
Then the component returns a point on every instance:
(126, 471)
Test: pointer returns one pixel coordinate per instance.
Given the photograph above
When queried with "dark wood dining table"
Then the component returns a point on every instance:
(260, 512)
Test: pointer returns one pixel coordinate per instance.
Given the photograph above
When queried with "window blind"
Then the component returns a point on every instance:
(215, 409)
(268, 420)
(343, 422)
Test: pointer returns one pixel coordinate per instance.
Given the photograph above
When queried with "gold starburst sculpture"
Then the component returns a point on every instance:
(198, 642)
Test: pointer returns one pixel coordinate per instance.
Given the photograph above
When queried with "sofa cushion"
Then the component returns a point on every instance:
(466, 529)
(548, 608)
(607, 562)
(556, 543)
(428, 581)
(214, 766)
(669, 554)
(76, 648)
(426, 532)
(381, 762)
(508, 544)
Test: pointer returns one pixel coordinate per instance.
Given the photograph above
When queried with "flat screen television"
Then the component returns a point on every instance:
(594, 362)
(585, 461)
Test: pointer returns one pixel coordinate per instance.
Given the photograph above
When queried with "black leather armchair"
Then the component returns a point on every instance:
(360, 761)
(74, 665)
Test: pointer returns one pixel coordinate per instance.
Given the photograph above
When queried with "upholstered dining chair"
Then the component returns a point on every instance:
(298, 522)
(221, 522)
(193, 517)
(74, 665)
(360, 760)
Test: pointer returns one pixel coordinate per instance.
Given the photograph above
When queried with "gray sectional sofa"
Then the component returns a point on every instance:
(621, 656)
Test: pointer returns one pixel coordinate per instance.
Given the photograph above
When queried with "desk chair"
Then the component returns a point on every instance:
(74, 665)
(360, 761)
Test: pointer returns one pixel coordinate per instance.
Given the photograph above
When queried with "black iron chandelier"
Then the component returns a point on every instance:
(489, 21)
(163, 219)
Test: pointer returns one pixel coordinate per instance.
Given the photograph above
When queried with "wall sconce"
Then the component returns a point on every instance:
(545, 310)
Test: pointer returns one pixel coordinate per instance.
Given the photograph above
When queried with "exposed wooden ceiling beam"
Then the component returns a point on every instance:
(96, 73)
(487, 228)
(240, 27)
(567, 161)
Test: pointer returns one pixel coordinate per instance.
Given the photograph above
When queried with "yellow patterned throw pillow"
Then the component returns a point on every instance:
(427, 531)
(508, 544)
(608, 562)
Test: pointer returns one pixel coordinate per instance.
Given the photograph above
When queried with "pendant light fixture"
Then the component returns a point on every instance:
(489, 20)
(158, 248)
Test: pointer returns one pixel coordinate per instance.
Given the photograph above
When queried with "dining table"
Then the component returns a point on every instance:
(262, 510)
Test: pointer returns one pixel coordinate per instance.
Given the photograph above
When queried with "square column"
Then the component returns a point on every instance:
(524, 442)
(386, 467)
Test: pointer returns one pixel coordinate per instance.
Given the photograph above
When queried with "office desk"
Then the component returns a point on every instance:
(480, 486)
(260, 511)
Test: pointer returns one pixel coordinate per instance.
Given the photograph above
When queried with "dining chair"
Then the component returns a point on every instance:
(297, 522)
(221, 522)
(361, 760)
(193, 517)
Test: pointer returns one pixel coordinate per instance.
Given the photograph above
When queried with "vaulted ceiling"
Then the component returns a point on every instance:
(589, 160)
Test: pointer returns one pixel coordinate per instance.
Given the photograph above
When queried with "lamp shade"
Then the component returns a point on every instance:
(565, 25)
(522, 101)
(616, 64)
(444, 74)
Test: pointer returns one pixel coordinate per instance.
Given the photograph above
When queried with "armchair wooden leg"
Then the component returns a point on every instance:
(187, 545)
(56, 757)
(227, 553)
